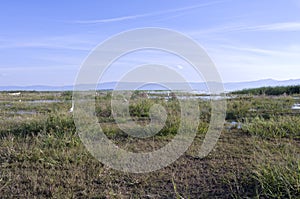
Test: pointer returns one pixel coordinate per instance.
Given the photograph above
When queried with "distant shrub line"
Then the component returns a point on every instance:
(278, 90)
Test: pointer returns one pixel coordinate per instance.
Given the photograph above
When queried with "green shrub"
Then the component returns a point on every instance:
(282, 126)
(59, 123)
(54, 123)
(279, 180)
(278, 90)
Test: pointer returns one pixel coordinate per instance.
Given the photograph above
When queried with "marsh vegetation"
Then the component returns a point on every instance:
(257, 155)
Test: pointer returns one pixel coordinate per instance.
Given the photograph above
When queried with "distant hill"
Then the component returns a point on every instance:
(201, 86)
(277, 90)
(35, 88)
(260, 83)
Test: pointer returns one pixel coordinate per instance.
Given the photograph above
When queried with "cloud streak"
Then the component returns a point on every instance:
(273, 27)
(287, 26)
(116, 19)
(286, 51)
(67, 42)
(131, 17)
(237, 62)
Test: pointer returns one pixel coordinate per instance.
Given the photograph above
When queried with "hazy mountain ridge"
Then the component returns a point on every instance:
(201, 86)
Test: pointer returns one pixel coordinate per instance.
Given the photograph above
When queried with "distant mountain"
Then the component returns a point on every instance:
(201, 86)
(36, 88)
(260, 83)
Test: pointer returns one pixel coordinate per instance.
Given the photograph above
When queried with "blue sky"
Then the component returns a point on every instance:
(45, 42)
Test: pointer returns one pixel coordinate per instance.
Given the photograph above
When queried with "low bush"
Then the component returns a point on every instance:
(282, 126)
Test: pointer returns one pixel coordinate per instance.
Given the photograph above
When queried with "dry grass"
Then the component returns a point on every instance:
(49, 160)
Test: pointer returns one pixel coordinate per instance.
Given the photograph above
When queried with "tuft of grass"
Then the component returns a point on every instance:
(277, 168)
(58, 123)
(279, 180)
(281, 127)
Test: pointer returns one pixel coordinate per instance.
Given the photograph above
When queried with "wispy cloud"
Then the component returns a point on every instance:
(116, 19)
(227, 28)
(286, 51)
(67, 42)
(237, 62)
(130, 17)
(286, 26)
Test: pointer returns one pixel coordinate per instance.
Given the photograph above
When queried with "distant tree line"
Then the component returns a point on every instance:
(278, 90)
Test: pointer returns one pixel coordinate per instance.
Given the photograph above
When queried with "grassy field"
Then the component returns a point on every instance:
(41, 155)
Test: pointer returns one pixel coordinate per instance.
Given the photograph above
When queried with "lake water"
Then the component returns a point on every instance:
(43, 101)
(24, 112)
